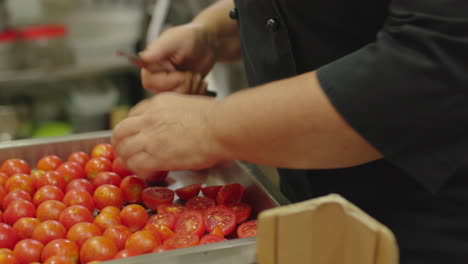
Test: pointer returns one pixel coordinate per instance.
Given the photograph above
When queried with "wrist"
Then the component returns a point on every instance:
(216, 128)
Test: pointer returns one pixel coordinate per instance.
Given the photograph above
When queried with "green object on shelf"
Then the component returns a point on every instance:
(52, 129)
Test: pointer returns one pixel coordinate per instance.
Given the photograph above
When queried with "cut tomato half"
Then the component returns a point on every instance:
(221, 216)
(210, 238)
(190, 222)
(188, 191)
(162, 220)
(211, 191)
(174, 209)
(230, 193)
(200, 203)
(182, 241)
(154, 196)
(247, 229)
(242, 211)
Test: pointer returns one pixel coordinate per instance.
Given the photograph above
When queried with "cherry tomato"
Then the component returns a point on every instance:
(108, 195)
(160, 231)
(79, 157)
(8, 258)
(132, 186)
(48, 230)
(220, 216)
(80, 184)
(97, 248)
(3, 193)
(59, 260)
(78, 197)
(210, 238)
(154, 196)
(126, 253)
(134, 216)
(49, 210)
(8, 237)
(242, 211)
(27, 251)
(35, 175)
(103, 150)
(48, 163)
(175, 209)
(25, 226)
(168, 220)
(119, 234)
(107, 177)
(157, 177)
(104, 220)
(1, 216)
(247, 229)
(200, 203)
(119, 169)
(18, 209)
(190, 222)
(81, 232)
(15, 195)
(230, 193)
(3, 178)
(188, 191)
(71, 170)
(13, 166)
(46, 193)
(75, 214)
(161, 248)
(143, 241)
(211, 191)
(20, 181)
(182, 241)
(60, 247)
(111, 210)
(51, 178)
(96, 165)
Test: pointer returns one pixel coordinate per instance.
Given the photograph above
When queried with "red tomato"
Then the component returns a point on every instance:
(108, 195)
(210, 238)
(134, 216)
(103, 150)
(97, 248)
(59, 260)
(75, 214)
(175, 209)
(20, 181)
(119, 169)
(217, 231)
(15, 195)
(46, 193)
(143, 241)
(132, 186)
(27, 251)
(104, 220)
(247, 229)
(35, 175)
(77, 197)
(51, 178)
(71, 170)
(157, 177)
(107, 177)
(119, 234)
(111, 210)
(48, 163)
(220, 216)
(3, 193)
(126, 253)
(96, 165)
(8, 237)
(3, 178)
(25, 226)
(81, 232)
(200, 203)
(154, 196)
(79, 157)
(163, 220)
(190, 222)
(18, 209)
(242, 211)
(48, 230)
(189, 191)
(49, 210)
(230, 193)
(211, 191)
(80, 184)
(160, 231)
(8, 258)
(60, 247)
(161, 248)
(13, 166)
(182, 241)
(1, 216)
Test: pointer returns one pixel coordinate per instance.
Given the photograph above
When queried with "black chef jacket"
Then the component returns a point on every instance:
(397, 71)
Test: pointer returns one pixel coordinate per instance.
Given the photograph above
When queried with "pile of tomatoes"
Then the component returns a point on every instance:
(89, 209)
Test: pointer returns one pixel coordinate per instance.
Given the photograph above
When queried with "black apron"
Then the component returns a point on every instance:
(284, 38)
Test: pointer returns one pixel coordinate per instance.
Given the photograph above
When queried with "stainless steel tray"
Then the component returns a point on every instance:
(259, 192)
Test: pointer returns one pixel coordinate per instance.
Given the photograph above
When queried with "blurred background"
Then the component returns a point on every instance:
(59, 73)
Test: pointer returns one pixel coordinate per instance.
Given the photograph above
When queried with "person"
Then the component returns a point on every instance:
(365, 98)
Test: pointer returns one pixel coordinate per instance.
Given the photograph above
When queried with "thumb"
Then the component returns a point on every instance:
(159, 50)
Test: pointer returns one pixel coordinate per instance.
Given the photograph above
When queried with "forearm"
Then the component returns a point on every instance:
(223, 30)
(288, 123)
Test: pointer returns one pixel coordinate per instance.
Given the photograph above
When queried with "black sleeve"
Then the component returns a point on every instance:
(407, 93)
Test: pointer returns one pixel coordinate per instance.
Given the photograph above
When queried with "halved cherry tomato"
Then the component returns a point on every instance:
(48, 163)
(221, 216)
(154, 196)
(157, 177)
(242, 211)
(247, 229)
(168, 220)
(12, 166)
(190, 222)
(175, 209)
(211, 191)
(182, 241)
(188, 191)
(210, 238)
(230, 193)
(200, 203)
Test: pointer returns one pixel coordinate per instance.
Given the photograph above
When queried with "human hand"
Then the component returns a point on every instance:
(168, 132)
(179, 60)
